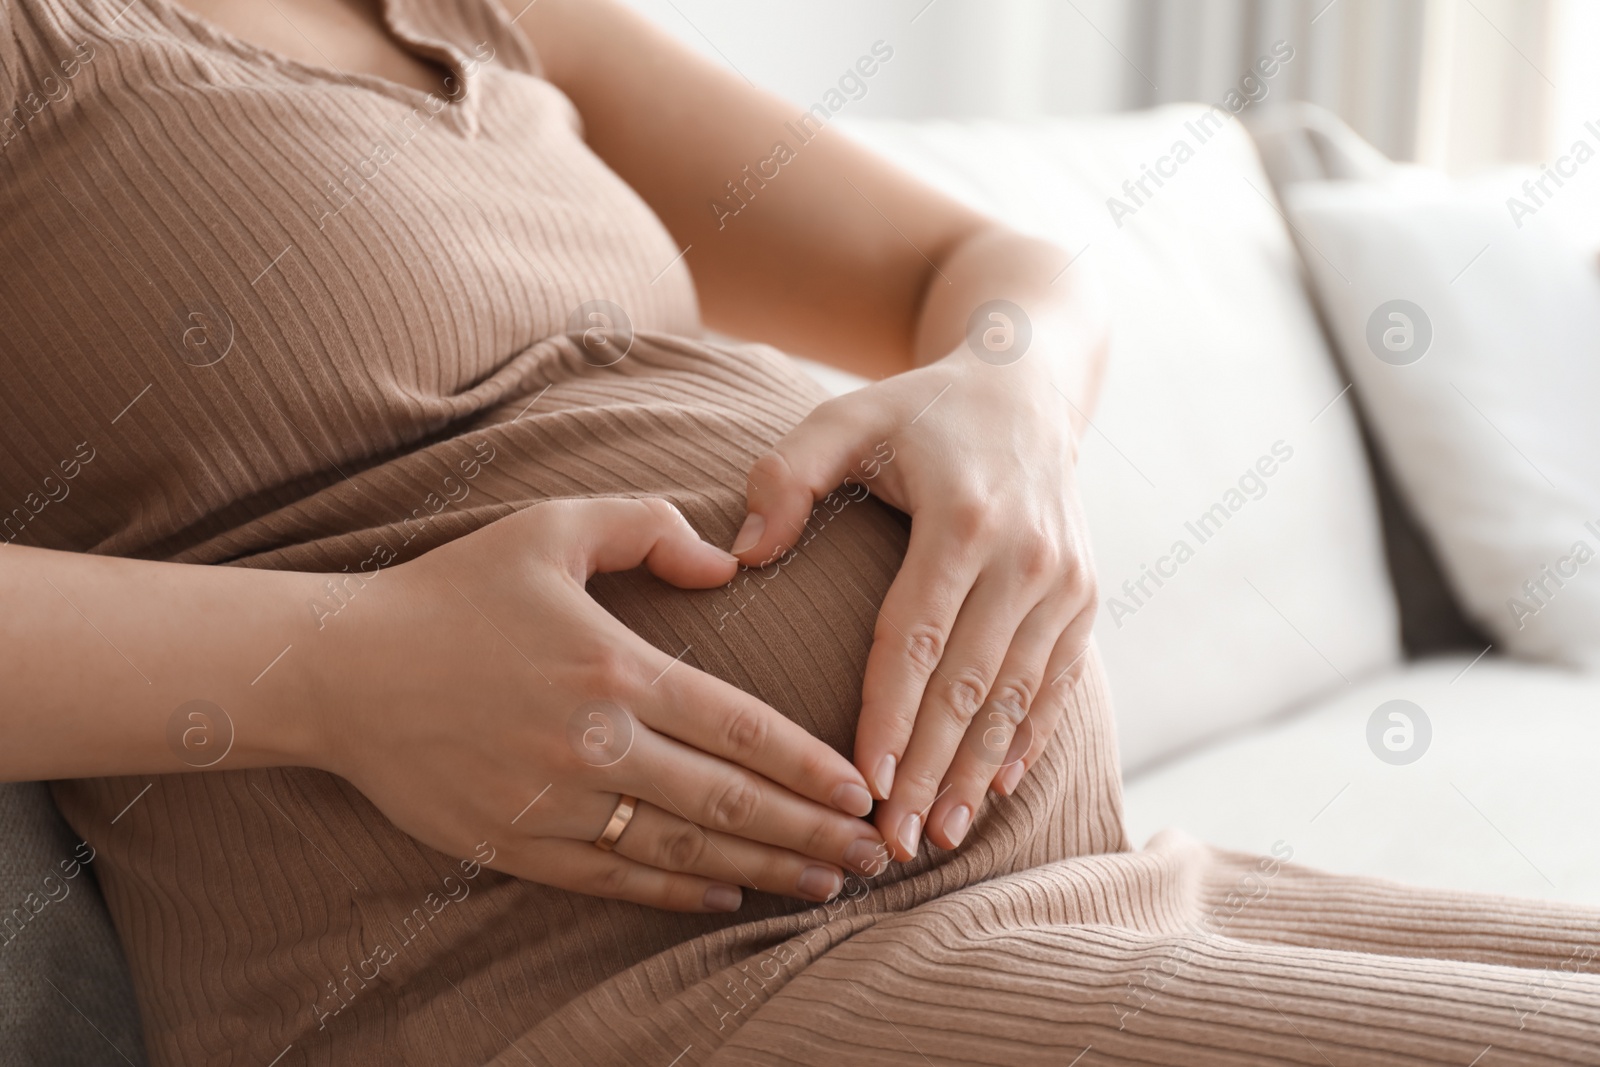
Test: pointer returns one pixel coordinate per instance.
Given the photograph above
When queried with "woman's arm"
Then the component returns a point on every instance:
(841, 256)
(97, 654)
(838, 255)
(453, 691)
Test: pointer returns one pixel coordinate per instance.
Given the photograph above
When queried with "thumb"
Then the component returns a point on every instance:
(807, 463)
(619, 534)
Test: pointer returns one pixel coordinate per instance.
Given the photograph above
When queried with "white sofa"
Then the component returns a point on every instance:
(1246, 680)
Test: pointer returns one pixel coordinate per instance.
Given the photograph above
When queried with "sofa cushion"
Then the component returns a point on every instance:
(1502, 798)
(1302, 142)
(1230, 505)
(1470, 322)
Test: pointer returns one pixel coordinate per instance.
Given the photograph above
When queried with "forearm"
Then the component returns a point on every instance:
(1063, 308)
(98, 653)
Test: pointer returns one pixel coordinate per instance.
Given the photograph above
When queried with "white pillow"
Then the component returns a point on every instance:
(1486, 394)
(1216, 359)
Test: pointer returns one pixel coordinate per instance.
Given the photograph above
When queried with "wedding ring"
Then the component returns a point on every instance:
(619, 822)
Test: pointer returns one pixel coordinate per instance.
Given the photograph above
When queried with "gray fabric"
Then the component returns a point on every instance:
(65, 996)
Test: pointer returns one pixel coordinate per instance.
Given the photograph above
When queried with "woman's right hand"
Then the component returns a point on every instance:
(480, 694)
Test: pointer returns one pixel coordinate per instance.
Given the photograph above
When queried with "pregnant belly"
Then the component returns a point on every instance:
(265, 908)
(272, 889)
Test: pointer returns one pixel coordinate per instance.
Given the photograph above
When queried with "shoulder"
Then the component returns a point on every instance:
(575, 38)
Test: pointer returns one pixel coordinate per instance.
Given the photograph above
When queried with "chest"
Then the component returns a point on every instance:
(266, 273)
(349, 35)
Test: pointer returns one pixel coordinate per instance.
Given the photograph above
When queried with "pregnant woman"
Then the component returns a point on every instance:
(366, 604)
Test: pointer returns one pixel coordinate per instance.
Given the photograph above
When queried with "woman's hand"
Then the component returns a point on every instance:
(983, 632)
(487, 697)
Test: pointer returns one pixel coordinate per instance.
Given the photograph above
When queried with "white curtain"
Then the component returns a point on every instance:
(1454, 83)
(1359, 58)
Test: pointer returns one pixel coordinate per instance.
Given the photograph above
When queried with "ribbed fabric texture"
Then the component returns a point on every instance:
(1185, 955)
(261, 314)
(363, 269)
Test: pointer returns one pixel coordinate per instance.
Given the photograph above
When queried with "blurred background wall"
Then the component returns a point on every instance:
(1460, 84)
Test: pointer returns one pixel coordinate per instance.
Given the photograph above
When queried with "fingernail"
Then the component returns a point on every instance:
(726, 557)
(883, 777)
(1010, 777)
(865, 855)
(852, 799)
(910, 834)
(819, 883)
(721, 897)
(956, 823)
(750, 533)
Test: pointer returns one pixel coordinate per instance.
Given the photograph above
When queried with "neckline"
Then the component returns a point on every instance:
(460, 108)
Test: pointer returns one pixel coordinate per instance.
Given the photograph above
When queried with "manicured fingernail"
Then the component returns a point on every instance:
(956, 823)
(883, 777)
(720, 897)
(1010, 777)
(726, 557)
(852, 799)
(819, 883)
(865, 855)
(750, 533)
(910, 834)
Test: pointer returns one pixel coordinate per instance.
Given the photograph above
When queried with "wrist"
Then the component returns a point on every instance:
(362, 662)
(296, 703)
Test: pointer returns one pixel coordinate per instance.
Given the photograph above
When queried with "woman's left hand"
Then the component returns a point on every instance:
(983, 632)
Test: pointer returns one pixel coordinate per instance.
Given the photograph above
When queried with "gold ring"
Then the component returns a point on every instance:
(619, 822)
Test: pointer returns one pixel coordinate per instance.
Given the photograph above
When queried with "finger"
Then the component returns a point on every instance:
(618, 534)
(721, 796)
(983, 632)
(664, 840)
(908, 641)
(807, 463)
(707, 713)
(1003, 723)
(581, 868)
(725, 721)
(1067, 663)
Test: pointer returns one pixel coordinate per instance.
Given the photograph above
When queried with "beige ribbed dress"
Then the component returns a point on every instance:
(299, 319)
